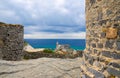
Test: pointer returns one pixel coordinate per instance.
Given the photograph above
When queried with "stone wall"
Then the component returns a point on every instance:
(35, 55)
(11, 41)
(102, 54)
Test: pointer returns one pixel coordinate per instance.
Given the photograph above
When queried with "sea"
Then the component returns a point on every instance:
(77, 44)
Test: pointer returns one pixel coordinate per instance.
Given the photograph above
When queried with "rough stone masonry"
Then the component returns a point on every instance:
(101, 58)
(102, 53)
(11, 41)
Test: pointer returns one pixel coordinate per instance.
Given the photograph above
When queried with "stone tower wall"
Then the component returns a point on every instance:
(102, 54)
(11, 41)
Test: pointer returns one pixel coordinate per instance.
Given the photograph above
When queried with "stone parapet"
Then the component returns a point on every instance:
(11, 41)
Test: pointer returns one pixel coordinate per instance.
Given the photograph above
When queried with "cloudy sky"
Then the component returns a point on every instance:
(62, 19)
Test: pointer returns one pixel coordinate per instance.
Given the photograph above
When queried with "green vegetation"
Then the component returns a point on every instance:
(48, 50)
(26, 57)
(25, 43)
(2, 23)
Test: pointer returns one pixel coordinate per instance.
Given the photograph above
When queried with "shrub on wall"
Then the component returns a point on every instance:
(25, 43)
(48, 51)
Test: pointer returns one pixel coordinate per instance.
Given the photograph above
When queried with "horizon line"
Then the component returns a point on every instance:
(54, 38)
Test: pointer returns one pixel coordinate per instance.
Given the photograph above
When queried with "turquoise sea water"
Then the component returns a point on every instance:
(78, 44)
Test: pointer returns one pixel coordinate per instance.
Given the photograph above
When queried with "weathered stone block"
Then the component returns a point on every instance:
(113, 71)
(108, 12)
(0, 54)
(96, 73)
(111, 33)
(100, 14)
(103, 35)
(89, 50)
(95, 51)
(111, 54)
(116, 25)
(115, 55)
(106, 53)
(118, 12)
(102, 60)
(117, 18)
(118, 45)
(92, 1)
(91, 60)
(109, 44)
(85, 76)
(100, 45)
(101, 22)
(93, 45)
(97, 64)
(119, 33)
(86, 56)
(115, 65)
(96, 40)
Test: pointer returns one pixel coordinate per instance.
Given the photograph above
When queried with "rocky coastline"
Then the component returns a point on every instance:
(32, 53)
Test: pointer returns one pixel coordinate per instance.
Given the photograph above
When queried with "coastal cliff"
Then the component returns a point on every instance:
(27, 46)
